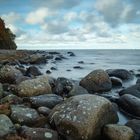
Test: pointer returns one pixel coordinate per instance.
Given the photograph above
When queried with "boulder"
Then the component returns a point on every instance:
(6, 37)
(34, 87)
(6, 126)
(5, 109)
(117, 132)
(1, 90)
(9, 74)
(38, 133)
(130, 104)
(23, 115)
(82, 117)
(33, 71)
(77, 90)
(46, 100)
(132, 90)
(135, 125)
(138, 81)
(120, 73)
(62, 86)
(96, 81)
(44, 110)
(116, 82)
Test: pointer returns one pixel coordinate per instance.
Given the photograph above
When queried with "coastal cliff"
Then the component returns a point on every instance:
(6, 37)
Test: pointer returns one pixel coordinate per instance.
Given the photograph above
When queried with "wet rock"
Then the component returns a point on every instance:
(68, 70)
(116, 82)
(34, 59)
(82, 117)
(48, 72)
(23, 115)
(39, 133)
(34, 87)
(120, 73)
(138, 81)
(71, 53)
(9, 74)
(5, 109)
(63, 86)
(58, 58)
(96, 81)
(53, 68)
(33, 71)
(77, 90)
(44, 110)
(132, 90)
(130, 104)
(81, 62)
(135, 125)
(6, 126)
(78, 67)
(11, 98)
(54, 53)
(46, 100)
(21, 79)
(1, 90)
(118, 132)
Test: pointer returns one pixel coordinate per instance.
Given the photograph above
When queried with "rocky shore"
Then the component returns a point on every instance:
(36, 106)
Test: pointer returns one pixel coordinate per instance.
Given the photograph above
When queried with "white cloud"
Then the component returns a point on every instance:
(70, 16)
(38, 16)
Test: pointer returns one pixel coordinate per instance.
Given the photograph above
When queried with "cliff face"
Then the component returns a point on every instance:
(6, 37)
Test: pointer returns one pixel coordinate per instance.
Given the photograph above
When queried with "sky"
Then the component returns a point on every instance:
(73, 24)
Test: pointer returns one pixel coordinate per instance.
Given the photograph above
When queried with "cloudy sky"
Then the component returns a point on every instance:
(73, 23)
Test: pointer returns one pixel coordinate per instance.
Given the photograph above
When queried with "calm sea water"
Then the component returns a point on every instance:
(94, 59)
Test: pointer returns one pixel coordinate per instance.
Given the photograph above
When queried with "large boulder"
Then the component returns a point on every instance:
(135, 125)
(96, 81)
(132, 90)
(23, 115)
(118, 132)
(47, 100)
(6, 37)
(38, 133)
(82, 117)
(116, 82)
(9, 74)
(120, 73)
(34, 87)
(6, 126)
(130, 104)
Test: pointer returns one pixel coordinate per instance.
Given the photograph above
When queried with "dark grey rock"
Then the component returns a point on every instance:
(44, 110)
(116, 82)
(33, 71)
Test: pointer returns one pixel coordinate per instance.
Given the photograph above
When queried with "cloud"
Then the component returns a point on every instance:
(38, 16)
(116, 12)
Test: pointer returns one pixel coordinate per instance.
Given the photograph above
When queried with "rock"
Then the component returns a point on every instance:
(6, 37)
(96, 81)
(116, 82)
(23, 115)
(58, 58)
(138, 81)
(120, 73)
(81, 62)
(82, 117)
(1, 90)
(39, 133)
(34, 87)
(21, 79)
(48, 72)
(117, 132)
(46, 100)
(53, 68)
(6, 126)
(71, 53)
(33, 71)
(132, 90)
(5, 109)
(9, 74)
(62, 86)
(135, 125)
(44, 110)
(11, 98)
(77, 90)
(78, 67)
(130, 104)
